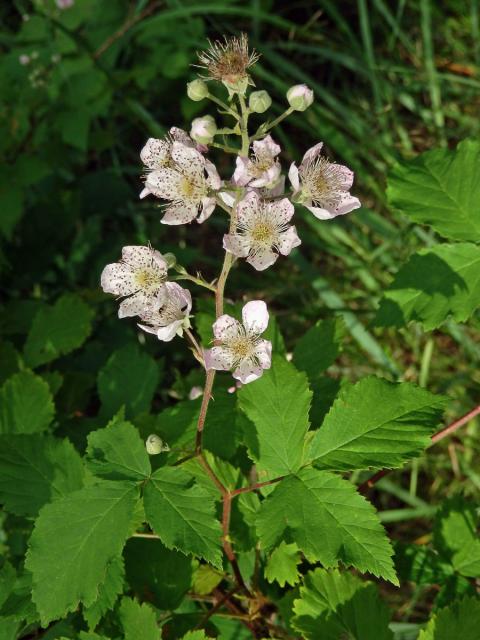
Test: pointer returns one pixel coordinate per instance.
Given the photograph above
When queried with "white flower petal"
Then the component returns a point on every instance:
(228, 197)
(188, 159)
(348, 203)
(218, 358)
(208, 207)
(288, 240)
(268, 177)
(281, 211)
(140, 256)
(225, 328)
(155, 153)
(147, 328)
(137, 305)
(164, 183)
(255, 317)
(118, 279)
(167, 333)
(180, 297)
(262, 259)
(263, 353)
(322, 214)
(179, 135)
(179, 214)
(241, 176)
(214, 181)
(247, 371)
(275, 190)
(293, 176)
(236, 244)
(267, 147)
(312, 153)
(144, 193)
(345, 175)
(247, 208)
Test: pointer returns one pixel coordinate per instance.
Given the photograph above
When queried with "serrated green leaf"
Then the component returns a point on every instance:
(195, 635)
(165, 574)
(9, 628)
(108, 592)
(455, 536)
(36, 469)
(19, 603)
(205, 579)
(441, 188)
(182, 514)
(58, 330)
(335, 605)
(72, 543)
(420, 564)
(117, 452)
(282, 565)
(128, 379)
(460, 620)
(329, 521)
(26, 404)
(138, 621)
(319, 347)
(9, 360)
(434, 284)
(376, 424)
(278, 405)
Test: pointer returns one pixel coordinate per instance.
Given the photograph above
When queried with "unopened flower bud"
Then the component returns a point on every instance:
(197, 90)
(259, 101)
(300, 97)
(170, 259)
(203, 129)
(155, 445)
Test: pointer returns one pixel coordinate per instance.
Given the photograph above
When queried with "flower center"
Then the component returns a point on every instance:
(322, 182)
(241, 347)
(148, 279)
(190, 189)
(263, 233)
(259, 164)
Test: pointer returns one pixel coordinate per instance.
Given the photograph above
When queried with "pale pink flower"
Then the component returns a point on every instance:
(139, 278)
(156, 152)
(173, 317)
(262, 231)
(238, 346)
(64, 4)
(195, 392)
(24, 59)
(189, 181)
(323, 186)
(262, 169)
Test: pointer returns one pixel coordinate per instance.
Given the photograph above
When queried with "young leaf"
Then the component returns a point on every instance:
(138, 621)
(57, 330)
(319, 347)
(376, 424)
(282, 565)
(73, 541)
(441, 188)
(455, 536)
(460, 620)
(435, 283)
(195, 635)
(182, 514)
(278, 405)
(108, 592)
(329, 521)
(335, 605)
(36, 469)
(164, 573)
(117, 452)
(26, 404)
(129, 379)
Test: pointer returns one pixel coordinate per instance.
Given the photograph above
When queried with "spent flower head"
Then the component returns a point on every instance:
(140, 278)
(323, 186)
(262, 231)
(238, 344)
(173, 317)
(228, 62)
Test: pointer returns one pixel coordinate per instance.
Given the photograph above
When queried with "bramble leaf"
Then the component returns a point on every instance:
(182, 514)
(117, 452)
(328, 520)
(278, 405)
(108, 592)
(441, 188)
(138, 621)
(58, 329)
(434, 284)
(319, 347)
(460, 619)
(335, 605)
(36, 469)
(282, 565)
(26, 404)
(73, 541)
(376, 424)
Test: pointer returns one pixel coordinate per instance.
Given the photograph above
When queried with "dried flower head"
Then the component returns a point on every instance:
(229, 61)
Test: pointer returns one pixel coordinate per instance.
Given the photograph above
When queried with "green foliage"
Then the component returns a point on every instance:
(282, 565)
(334, 605)
(461, 619)
(74, 540)
(182, 514)
(319, 347)
(26, 404)
(441, 188)
(280, 419)
(328, 521)
(58, 330)
(108, 591)
(434, 284)
(138, 621)
(375, 424)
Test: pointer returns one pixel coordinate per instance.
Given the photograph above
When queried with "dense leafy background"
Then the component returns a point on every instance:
(392, 80)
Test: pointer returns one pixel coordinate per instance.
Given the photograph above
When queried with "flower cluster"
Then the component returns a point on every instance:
(260, 208)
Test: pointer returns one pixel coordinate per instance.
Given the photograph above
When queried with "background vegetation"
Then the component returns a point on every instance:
(391, 79)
